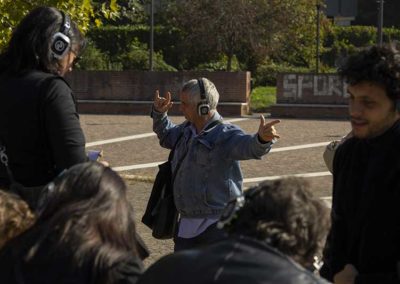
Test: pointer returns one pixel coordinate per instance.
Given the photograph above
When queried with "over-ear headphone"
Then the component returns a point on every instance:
(61, 42)
(203, 108)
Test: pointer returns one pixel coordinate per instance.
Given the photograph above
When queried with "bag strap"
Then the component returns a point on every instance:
(171, 154)
(4, 161)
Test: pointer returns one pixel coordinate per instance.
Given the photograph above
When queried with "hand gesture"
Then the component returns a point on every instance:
(162, 104)
(266, 131)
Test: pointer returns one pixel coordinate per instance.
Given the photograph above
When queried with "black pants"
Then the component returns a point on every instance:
(210, 235)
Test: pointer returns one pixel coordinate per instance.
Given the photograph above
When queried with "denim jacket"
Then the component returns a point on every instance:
(210, 174)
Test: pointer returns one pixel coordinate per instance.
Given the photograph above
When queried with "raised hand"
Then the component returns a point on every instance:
(162, 104)
(267, 131)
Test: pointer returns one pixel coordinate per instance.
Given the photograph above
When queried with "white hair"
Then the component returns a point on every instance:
(192, 89)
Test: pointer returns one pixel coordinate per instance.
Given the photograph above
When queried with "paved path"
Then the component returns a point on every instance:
(132, 149)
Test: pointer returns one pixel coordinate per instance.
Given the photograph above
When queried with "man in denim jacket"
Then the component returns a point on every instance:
(208, 151)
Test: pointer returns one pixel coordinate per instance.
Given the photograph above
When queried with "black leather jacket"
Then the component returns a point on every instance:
(234, 260)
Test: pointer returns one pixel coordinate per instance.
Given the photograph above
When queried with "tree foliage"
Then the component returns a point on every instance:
(82, 11)
(258, 28)
(339, 42)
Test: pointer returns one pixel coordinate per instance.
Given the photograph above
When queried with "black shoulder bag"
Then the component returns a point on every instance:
(161, 215)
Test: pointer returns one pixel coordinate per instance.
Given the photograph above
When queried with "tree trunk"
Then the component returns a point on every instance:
(229, 63)
(230, 55)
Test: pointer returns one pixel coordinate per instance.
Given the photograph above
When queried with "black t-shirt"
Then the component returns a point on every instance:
(39, 126)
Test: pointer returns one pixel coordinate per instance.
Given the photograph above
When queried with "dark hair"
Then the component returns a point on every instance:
(377, 65)
(88, 213)
(285, 214)
(29, 46)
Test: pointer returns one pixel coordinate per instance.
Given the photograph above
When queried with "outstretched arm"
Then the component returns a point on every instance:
(242, 146)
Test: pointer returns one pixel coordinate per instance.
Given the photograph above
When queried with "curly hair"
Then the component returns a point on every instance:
(377, 65)
(15, 216)
(285, 214)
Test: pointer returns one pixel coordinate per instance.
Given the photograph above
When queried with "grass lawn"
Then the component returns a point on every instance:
(262, 97)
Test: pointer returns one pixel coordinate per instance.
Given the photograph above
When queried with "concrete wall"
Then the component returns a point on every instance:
(310, 95)
(131, 92)
(311, 88)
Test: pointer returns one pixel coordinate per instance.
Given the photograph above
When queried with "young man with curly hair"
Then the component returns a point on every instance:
(363, 245)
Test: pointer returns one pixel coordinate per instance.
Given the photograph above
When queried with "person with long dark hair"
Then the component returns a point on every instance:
(84, 234)
(39, 123)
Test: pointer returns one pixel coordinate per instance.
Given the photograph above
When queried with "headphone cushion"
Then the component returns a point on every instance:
(203, 108)
(60, 45)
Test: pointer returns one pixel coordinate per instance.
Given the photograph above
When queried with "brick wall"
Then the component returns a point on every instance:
(123, 92)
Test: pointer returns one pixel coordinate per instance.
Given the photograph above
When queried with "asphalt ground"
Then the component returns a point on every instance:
(132, 149)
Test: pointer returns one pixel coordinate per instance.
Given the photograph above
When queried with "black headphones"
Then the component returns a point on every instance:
(61, 42)
(203, 108)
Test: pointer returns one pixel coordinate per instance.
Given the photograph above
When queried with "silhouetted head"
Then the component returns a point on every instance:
(284, 214)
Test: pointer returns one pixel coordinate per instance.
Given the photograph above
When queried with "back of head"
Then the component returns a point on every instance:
(376, 65)
(285, 215)
(89, 216)
(193, 89)
(15, 216)
(30, 45)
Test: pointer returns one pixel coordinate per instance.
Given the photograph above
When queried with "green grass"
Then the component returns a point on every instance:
(262, 97)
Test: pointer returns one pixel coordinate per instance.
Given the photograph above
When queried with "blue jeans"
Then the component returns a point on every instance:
(210, 235)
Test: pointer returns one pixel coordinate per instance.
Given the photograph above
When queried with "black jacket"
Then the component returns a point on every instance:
(235, 260)
(366, 209)
(40, 127)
